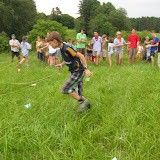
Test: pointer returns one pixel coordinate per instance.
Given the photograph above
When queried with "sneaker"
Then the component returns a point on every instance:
(18, 67)
(84, 105)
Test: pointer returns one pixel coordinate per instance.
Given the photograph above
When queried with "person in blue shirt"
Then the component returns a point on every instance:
(77, 66)
(153, 46)
(25, 47)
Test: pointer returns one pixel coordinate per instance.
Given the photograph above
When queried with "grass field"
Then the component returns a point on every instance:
(124, 122)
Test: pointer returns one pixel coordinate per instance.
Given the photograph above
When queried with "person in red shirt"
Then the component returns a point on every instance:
(134, 41)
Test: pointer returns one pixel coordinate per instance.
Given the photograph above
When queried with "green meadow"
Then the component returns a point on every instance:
(123, 123)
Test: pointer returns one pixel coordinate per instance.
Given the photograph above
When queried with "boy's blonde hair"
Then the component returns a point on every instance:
(54, 35)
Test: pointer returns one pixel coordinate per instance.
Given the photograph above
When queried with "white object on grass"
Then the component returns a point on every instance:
(114, 158)
(87, 79)
(27, 105)
(19, 70)
(33, 84)
(109, 89)
(141, 71)
(120, 138)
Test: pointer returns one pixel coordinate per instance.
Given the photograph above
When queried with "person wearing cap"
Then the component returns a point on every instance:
(25, 47)
(15, 45)
(134, 40)
(119, 43)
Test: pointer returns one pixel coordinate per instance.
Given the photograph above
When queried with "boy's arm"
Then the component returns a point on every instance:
(59, 66)
(81, 57)
(109, 48)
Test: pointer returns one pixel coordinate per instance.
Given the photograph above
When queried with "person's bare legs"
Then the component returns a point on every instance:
(104, 59)
(12, 60)
(96, 60)
(27, 61)
(135, 60)
(19, 58)
(110, 61)
(120, 61)
(52, 60)
(75, 96)
(130, 60)
(57, 60)
(152, 58)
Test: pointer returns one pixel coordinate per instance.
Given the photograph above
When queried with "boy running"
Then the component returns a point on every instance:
(77, 66)
(25, 47)
(15, 45)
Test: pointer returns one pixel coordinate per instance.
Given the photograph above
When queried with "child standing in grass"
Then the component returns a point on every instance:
(38, 43)
(89, 49)
(25, 47)
(69, 43)
(140, 49)
(74, 45)
(104, 47)
(110, 51)
(77, 66)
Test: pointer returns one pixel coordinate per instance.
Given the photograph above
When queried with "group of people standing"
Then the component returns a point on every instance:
(95, 49)
(98, 47)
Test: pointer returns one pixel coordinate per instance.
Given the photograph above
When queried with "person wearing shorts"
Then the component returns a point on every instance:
(89, 49)
(119, 43)
(81, 41)
(133, 40)
(52, 54)
(104, 47)
(38, 44)
(15, 45)
(97, 47)
(144, 52)
(110, 51)
(154, 46)
(25, 47)
(77, 66)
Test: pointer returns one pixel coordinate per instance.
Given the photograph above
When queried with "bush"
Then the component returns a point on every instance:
(42, 27)
(4, 42)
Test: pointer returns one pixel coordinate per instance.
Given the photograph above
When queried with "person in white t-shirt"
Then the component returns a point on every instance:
(110, 51)
(15, 45)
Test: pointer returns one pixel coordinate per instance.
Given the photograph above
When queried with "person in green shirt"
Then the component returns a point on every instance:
(81, 42)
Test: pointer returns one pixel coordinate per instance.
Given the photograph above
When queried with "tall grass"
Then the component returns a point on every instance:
(123, 123)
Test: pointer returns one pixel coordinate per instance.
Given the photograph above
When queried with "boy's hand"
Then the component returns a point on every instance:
(58, 66)
(88, 73)
(156, 51)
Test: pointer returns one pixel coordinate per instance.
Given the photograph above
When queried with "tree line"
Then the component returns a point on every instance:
(21, 16)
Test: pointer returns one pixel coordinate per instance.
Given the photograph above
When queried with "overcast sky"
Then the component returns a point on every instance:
(135, 8)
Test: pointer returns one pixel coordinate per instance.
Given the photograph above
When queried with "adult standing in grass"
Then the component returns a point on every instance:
(158, 50)
(81, 42)
(77, 66)
(104, 47)
(15, 45)
(97, 47)
(134, 41)
(154, 46)
(119, 43)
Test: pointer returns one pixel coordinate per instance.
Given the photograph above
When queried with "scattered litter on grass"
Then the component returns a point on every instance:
(27, 105)
(87, 79)
(19, 70)
(120, 138)
(114, 158)
(34, 85)
(141, 71)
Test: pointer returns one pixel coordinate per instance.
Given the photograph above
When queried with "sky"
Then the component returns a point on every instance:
(135, 8)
